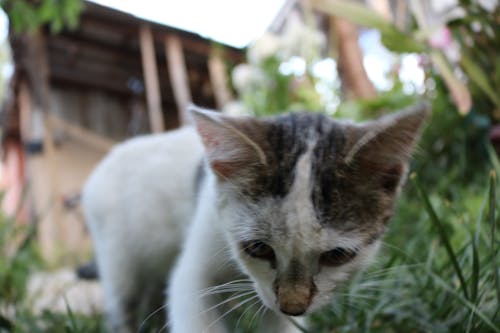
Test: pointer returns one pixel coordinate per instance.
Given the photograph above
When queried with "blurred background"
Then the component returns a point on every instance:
(78, 77)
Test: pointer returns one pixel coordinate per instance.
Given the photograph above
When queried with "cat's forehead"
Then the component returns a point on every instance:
(284, 139)
(292, 133)
(302, 182)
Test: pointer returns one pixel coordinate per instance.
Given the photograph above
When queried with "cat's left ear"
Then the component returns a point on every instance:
(231, 143)
(384, 146)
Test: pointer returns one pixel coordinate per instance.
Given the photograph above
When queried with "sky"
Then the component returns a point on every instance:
(232, 22)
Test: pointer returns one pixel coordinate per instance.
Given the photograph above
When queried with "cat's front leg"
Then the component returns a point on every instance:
(191, 308)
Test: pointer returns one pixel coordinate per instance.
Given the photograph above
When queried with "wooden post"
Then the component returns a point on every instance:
(178, 76)
(37, 102)
(25, 114)
(401, 14)
(152, 83)
(218, 77)
(354, 78)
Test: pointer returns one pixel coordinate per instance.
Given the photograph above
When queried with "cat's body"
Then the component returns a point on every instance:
(297, 203)
(138, 203)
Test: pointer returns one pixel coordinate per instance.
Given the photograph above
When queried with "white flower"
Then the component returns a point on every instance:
(263, 48)
(301, 40)
(245, 75)
(488, 5)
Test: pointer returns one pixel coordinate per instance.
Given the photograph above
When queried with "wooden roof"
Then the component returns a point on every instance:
(104, 52)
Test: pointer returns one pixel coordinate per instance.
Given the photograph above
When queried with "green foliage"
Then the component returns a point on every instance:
(479, 37)
(18, 260)
(452, 151)
(392, 38)
(386, 102)
(276, 92)
(27, 15)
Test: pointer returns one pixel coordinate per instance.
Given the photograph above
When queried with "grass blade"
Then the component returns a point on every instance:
(491, 220)
(493, 158)
(475, 272)
(491, 204)
(442, 234)
(444, 284)
(71, 326)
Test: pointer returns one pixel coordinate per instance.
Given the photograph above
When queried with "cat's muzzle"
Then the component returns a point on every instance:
(294, 298)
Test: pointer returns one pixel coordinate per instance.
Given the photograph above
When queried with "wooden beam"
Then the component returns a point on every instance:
(25, 114)
(192, 43)
(178, 76)
(401, 14)
(218, 77)
(50, 227)
(90, 138)
(151, 79)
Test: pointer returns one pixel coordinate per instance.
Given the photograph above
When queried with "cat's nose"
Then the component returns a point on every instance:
(294, 299)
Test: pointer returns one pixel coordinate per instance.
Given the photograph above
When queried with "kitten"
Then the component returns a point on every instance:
(286, 209)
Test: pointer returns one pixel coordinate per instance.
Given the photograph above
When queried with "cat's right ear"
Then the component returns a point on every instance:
(230, 142)
(382, 148)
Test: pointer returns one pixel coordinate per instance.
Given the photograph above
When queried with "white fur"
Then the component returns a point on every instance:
(205, 262)
(138, 203)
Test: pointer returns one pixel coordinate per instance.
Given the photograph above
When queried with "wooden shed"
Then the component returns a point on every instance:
(76, 93)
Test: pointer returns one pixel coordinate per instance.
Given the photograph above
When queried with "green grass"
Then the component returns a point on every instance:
(19, 258)
(439, 271)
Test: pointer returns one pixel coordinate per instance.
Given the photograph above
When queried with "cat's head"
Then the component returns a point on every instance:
(305, 198)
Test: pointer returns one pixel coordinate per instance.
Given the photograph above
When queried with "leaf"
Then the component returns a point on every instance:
(479, 77)
(392, 38)
(354, 12)
(493, 158)
(459, 92)
(399, 42)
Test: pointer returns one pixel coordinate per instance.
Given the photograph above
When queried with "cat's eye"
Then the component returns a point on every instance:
(336, 257)
(258, 249)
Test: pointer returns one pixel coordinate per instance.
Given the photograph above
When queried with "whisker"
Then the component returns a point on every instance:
(236, 285)
(150, 316)
(246, 310)
(226, 288)
(164, 327)
(232, 309)
(262, 314)
(232, 298)
(255, 315)
(227, 283)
